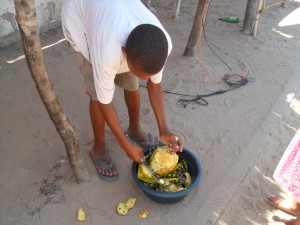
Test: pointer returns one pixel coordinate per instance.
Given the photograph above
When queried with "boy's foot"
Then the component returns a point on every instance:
(142, 139)
(289, 206)
(104, 165)
(292, 222)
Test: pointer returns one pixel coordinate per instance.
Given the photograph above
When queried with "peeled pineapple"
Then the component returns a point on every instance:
(162, 161)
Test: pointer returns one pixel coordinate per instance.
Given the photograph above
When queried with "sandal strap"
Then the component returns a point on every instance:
(104, 163)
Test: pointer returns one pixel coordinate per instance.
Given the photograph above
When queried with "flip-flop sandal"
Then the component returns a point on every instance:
(106, 165)
(152, 140)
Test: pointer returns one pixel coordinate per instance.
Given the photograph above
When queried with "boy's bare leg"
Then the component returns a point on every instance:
(290, 206)
(99, 149)
(132, 99)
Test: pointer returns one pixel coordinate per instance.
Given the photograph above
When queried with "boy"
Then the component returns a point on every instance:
(119, 42)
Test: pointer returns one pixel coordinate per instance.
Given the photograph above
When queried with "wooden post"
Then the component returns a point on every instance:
(249, 17)
(26, 19)
(258, 12)
(177, 9)
(194, 35)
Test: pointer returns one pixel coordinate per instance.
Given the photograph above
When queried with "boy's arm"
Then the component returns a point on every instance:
(109, 113)
(156, 99)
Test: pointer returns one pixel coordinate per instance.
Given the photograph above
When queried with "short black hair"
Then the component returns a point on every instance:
(147, 46)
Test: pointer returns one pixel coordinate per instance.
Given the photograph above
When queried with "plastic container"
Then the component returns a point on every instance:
(231, 19)
(172, 197)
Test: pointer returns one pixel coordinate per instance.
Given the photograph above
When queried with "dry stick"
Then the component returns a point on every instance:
(26, 18)
(274, 4)
(177, 9)
(258, 12)
(43, 139)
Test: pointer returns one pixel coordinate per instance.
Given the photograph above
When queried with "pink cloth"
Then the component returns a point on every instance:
(287, 171)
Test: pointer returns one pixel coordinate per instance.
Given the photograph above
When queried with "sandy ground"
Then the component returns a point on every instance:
(239, 137)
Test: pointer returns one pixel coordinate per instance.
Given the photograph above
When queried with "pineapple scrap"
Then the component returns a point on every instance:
(123, 208)
(143, 214)
(188, 180)
(130, 203)
(81, 215)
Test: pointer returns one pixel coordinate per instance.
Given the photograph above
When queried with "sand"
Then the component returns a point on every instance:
(239, 137)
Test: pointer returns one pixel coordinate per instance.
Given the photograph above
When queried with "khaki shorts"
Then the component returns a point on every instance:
(127, 81)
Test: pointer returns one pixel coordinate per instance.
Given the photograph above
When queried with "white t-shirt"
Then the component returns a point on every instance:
(99, 29)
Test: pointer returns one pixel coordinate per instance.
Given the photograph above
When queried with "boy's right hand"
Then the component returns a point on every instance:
(135, 153)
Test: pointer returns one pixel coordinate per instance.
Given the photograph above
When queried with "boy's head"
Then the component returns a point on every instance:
(146, 49)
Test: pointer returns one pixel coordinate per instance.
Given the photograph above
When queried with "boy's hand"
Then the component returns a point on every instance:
(135, 153)
(173, 141)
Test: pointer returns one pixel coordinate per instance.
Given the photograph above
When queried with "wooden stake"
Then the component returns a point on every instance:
(249, 17)
(194, 35)
(177, 9)
(258, 12)
(26, 18)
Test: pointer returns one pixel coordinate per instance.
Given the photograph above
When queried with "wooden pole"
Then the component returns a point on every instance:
(258, 12)
(26, 19)
(194, 35)
(249, 16)
(177, 9)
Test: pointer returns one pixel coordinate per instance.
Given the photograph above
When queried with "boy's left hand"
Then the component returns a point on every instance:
(173, 141)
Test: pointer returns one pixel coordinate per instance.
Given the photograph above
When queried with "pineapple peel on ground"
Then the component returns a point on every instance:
(123, 208)
(130, 203)
(81, 215)
(143, 213)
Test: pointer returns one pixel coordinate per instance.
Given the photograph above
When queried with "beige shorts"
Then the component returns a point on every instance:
(127, 81)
